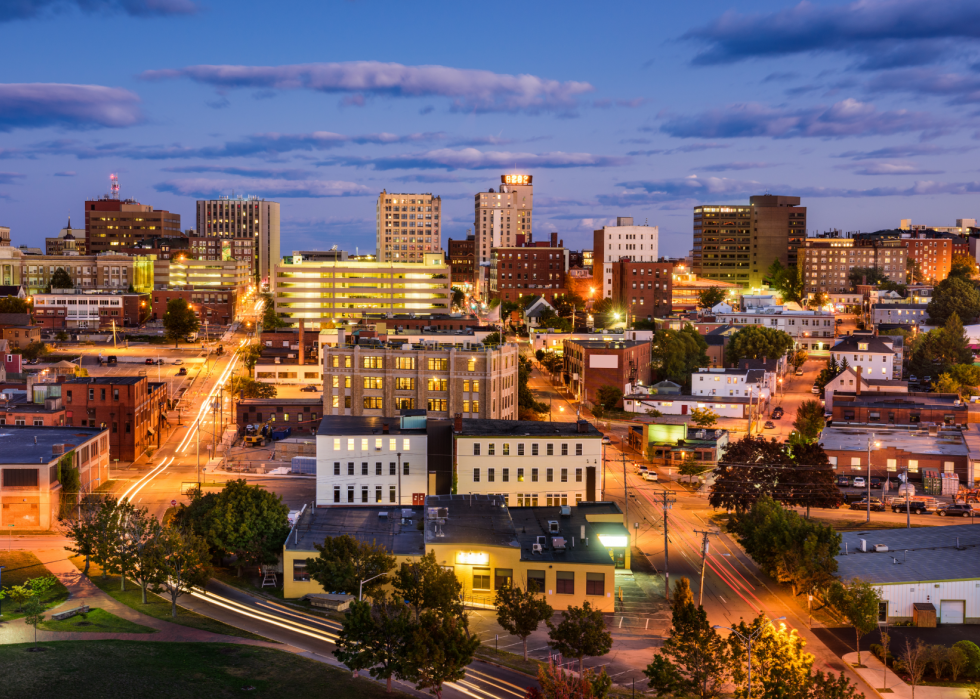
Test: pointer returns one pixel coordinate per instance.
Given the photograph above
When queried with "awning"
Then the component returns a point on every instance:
(150, 430)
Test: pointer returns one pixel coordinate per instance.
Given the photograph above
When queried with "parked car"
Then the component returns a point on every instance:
(178, 362)
(964, 510)
(859, 482)
(815, 389)
(770, 425)
(862, 504)
(840, 321)
(111, 359)
(843, 481)
(799, 372)
(650, 475)
(308, 389)
(913, 379)
(149, 361)
(777, 413)
(875, 482)
(606, 440)
(639, 468)
(927, 379)
(182, 371)
(915, 507)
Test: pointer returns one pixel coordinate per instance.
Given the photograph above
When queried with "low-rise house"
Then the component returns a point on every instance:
(910, 314)
(875, 355)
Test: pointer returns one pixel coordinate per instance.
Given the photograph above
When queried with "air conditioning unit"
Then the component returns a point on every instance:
(541, 541)
(536, 548)
(553, 527)
(880, 548)
(566, 511)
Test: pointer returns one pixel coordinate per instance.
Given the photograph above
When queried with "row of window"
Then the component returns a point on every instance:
(892, 465)
(549, 475)
(537, 581)
(378, 494)
(378, 468)
(378, 443)
(505, 450)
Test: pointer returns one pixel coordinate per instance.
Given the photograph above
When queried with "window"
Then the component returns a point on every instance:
(336, 468)
(391, 493)
(438, 364)
(549, 475)
(392, 469)
(578, 450)
(855, 463)
(520, 475)
(350, 493)
(520, 449)
(300, 574)
(913, 466)
(534, 475)
(948, 467)
(892, 464)
(436, 384)
(564, 449)
(364, 494)
(373, 383)
(578, 475)
(551, 450)
(350, 468)
(503, 577)
(438, 404)
(406, 444)
(476, 448)
(481, 578)
(564, 475)
(565, 583)
(471, 365)
(490, 472)
(373, 362)
(336, 493)
(534, 450)
(364, 468)
(404, 383)
(20, 477)
(506, 451)
(595, 584)
(377, 469)
(372, 402)
(405, 469)
(491, 448)
(505, 475)
(350, 444)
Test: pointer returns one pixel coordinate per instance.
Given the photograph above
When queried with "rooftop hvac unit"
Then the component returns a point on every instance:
(407, 512)
(383, 515)
(553, 526)
(536, 548)
(541, 541)
(558, 543)
(880, 548)
(566, 511)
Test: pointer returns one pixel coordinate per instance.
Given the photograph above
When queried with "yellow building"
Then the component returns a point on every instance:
(570, 554)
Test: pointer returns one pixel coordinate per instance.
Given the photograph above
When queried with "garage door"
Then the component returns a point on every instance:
(951, 611)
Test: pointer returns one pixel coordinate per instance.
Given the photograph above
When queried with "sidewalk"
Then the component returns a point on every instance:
(874, 673)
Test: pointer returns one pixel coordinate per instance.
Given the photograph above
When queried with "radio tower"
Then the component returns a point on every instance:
(114, 186)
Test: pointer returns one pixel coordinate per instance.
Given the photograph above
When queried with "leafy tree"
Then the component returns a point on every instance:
(179, 320)
(343, 562)
(691, 467)
(34, 350)
(858, 603)
(913, 661)
(756, 342)
(913, 273)
(676, 354)
(937, 351)
(184, 563)
(754, 466)
(247, 387)
(972, 653)
(608, 396)
(12, 304)
(270, 319)
(581, 632)
(710, 297)
(704, 417)
(459, 298)
(427, 586)
(61, 279)
(809, 419)
(694, 659)
(798, 358)
(954, 295)
(437, 651)
(141, 534)
(788, 281)
(250, 356)
(373, 636)
(682, 594)
(30, 596)
(80, 527)
(353, 641)
(539, 355)
(105, 534)
(520, 612)
(963, 266)
(866, 275)
(121, 555)
(818, 299)
(525, 399)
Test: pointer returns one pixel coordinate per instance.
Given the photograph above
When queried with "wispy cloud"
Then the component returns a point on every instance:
(845, 118)
(894, 169)
(259, 173)
(727, 167)
(314, 189)
(957, 88)
(39, 105)
(468, 90)
(473, 159)
(11, 177)
(11, 10)
(65, 173)
(901, 152)
(689, 148)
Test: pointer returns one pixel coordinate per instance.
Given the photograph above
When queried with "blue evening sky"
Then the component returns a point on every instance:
(866, 110)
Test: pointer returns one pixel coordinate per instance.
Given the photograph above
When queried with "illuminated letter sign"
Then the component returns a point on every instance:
(472, 558)
(515, 179)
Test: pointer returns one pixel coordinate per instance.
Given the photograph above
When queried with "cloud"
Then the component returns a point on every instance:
(468, 90)
(894, 169)
(690, 148)
(955, 87)
(65, 173)
(886, 28)
(39, 105)
(206, 188)
(725, 167)
(846, 118)
(780, 77)
(261, 173)
(11, 177)
(900, 152)
(29, 9)
(473, 159)
(425, 178)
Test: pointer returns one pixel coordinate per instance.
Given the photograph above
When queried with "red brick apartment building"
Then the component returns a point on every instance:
(217, 306)
(529, 269)
(590, 364)
(644, 288)
(462, 256)
(114, 223)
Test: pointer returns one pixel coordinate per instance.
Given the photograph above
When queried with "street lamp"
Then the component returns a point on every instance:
(360, 593)
(748, 641)
(877, 444)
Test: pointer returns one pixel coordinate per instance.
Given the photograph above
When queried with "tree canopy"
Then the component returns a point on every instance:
(247, 387)
(963, 266)
(788, 281)
(756, 342)
(809, 419)
(581, 632)
(12, 304)
(676, 354)
(710, 297)
(179, 320)
(608, 396)
(938, 350)
(866, 275)
(344, 561)
(61, 279)
(954, 295)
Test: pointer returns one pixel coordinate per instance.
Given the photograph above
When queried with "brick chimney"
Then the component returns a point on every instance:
(458, 422)
(384, 428)
(554, 239)
(583, 426)
(302, 345)
(858, 370)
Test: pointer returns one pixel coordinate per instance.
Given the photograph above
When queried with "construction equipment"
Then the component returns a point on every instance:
(255, 441)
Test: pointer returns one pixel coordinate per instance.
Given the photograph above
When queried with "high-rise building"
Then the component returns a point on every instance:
(239, 220)
(643, 288)
(738, 243)
(111, 224)
(462, 261)
(611, 243)
(408, 226)
(498, 218)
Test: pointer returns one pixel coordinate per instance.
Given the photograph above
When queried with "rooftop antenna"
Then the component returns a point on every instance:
(114, 186)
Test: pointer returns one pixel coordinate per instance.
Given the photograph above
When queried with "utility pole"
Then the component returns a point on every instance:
(626, 495)
(704, 555)
(668, 502)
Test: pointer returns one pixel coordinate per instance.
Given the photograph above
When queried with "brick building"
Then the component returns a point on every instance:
(302, 414)
(462, 261)
(130, 407)
(590, 364)
(70, 310)
(19, 337)
(217, 306)
(906, 409)
(644, 288)
(112, 223)
(528, 269)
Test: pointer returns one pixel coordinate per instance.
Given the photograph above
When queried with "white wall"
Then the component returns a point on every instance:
(289, 374)
(873, 365)
(901, 596)
(674, 405)
(371, 450)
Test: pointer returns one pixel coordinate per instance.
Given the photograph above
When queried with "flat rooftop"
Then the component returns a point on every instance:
(947, 442)
(611, 344)
(107, 380)
(336, 425)
(527, 428)
(914, 555)
(913, 400)
(24, 444)
(381, 525)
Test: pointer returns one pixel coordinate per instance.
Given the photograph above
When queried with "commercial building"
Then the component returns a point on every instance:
(301, 414)
(670, 445)
(110, 272)
(875, 355)
(911, 314)
(813, 331)
(244, 228)
(231, 274)
(381, 379)
(408, 227)
(528, 269)
(324, 293)
(612, 243)
(112, 223)
(737, 244)
(912, 408)
(963, 227)
(591, 364)
(686, 289)
(829, 259)
(528, 463)
(923, 575)
(33, 464)
(77, 309)
(462, 261)
(216, 306)
(20, 336)
(643, 288)
(498, 218)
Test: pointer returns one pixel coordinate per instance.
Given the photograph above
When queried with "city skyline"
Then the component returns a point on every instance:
(860, 109)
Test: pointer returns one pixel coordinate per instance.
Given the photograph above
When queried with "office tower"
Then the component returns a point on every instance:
(408, 226)
(738, 243)
(111, 224)
(612, 243)
(243, 228)
(499, 217)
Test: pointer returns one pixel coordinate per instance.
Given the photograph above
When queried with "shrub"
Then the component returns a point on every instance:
(972, 652)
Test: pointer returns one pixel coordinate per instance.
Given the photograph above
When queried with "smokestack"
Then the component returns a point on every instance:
(302, 345)
(859, 370)
(554, 239)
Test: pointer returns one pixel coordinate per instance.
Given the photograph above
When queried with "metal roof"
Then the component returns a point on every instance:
(914, 555)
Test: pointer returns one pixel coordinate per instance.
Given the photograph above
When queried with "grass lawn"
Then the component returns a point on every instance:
(19, 566)
(250, 582)
(96, 621)
(97, 669)
(158, 607)
(515, 661)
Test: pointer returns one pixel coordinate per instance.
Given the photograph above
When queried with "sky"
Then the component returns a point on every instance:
(866, 110)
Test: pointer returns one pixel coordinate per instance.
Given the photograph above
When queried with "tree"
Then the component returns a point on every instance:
(608, 396)
(250, 356)
(972, 653)
(247, 387)
(809, 419)
(184, 563)
(818, 299)
(954, 295)
(270, 319)
(694, 659)
(105, 534)
(963, 266)
(682, 594)
(858, 603)
(710, 297)
(34, 350)
(581, 632)
(788, 281)
(937, 351)
(12, 304)
(676, 354)
(141, 534)
(30, 596)
(61, 279)
(121, 556)
(353, 646)
(372, 637)
(525, 399)
(437, 651)
(866, 275)
(80, 529)
(704, 417)
(691, 467)
(427, 586)
(520, 612)
(179, 320)
(343, 562)
(913, 662)
(798, 358)
(756, 342)
(459, 298)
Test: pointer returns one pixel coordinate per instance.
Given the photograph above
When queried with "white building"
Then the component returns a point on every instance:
(811, 330)
(875, 355)
(851, 381)
(728, 383)
(553, 342)
(612, 243)
(372, 461)
(529, 463)
(908, 313)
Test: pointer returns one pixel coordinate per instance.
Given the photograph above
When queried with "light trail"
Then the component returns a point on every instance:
(138, 485)
(242, 609)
